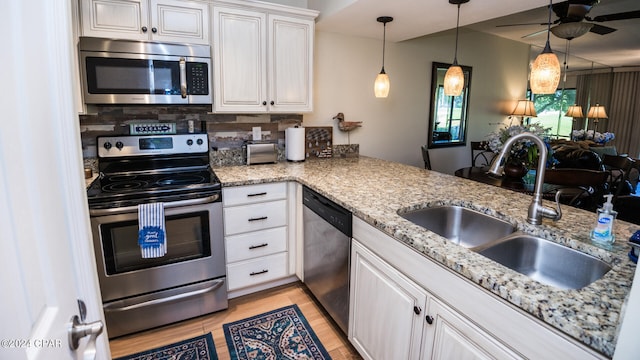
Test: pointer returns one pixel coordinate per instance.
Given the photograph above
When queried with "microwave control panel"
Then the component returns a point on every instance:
(197, 78)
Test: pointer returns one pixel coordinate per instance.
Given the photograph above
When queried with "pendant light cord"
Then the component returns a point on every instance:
(547, 46)
(455, 55)
(384, 41)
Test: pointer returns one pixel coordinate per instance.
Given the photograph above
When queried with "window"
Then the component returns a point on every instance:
(551, 109)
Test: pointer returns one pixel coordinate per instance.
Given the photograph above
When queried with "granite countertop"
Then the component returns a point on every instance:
(375, 190)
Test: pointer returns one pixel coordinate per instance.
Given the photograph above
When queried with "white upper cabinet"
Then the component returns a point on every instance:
(264, 59)
(158, 20)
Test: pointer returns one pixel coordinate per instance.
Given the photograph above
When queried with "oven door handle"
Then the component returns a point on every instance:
(115, 308)
(172, 204)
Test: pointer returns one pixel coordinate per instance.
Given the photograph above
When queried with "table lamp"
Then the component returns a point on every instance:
(596, 113)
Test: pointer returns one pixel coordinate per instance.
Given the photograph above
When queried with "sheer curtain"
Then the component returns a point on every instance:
(618, 92)
(624, 112)
(592, 89)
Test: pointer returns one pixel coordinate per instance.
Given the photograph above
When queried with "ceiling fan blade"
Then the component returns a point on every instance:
(617, 16)
(534, 34)
(601, 29)
(523, 24)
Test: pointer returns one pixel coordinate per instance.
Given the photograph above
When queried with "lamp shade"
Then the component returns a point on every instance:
(545, 74)
(524, 108)
(574, 111)
(381, 85)
(597, 112)
(453, 81)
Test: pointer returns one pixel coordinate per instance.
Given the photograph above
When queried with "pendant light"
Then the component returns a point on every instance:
(545, 70)
(381, 85)
(454, 78)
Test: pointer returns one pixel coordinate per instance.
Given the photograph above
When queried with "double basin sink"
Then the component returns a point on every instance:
(540, 259)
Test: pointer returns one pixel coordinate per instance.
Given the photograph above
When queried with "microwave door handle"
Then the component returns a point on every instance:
(183, 78)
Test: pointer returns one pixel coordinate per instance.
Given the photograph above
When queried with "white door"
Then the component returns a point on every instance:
(449, 335)
(290, 64)
(239, 44)
(386, 309)
(45, 247)
(180, 21)
(123, 19)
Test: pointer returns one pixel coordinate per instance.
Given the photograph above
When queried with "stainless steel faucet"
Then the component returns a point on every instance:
(536, 209)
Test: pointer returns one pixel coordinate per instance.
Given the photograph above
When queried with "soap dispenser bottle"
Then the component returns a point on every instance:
(603, 231)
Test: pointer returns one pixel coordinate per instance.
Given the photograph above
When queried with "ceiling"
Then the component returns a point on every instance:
(415, 18)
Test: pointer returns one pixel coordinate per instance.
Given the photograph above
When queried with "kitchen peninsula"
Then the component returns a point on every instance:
(375, 190)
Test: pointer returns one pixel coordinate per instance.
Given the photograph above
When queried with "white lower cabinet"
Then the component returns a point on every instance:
(388, 318)
(386, 309)
(405, 306)
(257, 240)
(449, 335)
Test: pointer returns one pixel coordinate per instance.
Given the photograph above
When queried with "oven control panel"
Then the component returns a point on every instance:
(141, 145)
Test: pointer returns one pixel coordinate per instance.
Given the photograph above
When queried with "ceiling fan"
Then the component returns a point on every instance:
(573, 20)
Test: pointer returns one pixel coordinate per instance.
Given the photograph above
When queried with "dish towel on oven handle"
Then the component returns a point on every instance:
(152, 236)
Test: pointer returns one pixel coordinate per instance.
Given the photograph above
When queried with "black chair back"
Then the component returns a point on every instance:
(425, 157)
(481, 155)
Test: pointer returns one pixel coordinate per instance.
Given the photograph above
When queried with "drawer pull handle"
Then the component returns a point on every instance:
(257, 246)
(257, 194)
(259, 272)
(259, 218)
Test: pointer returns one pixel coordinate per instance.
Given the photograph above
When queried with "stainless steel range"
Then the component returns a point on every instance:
(189, 280)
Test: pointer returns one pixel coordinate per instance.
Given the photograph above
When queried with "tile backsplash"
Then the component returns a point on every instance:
(227, 132)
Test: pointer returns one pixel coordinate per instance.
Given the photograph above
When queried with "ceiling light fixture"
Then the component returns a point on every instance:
(381, 85)
(454, 78)
(545, 70)
(571, 30)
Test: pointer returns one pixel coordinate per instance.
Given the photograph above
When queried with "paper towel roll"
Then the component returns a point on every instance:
(294, 143)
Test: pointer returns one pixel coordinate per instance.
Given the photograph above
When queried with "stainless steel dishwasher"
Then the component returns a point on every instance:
(327, 243)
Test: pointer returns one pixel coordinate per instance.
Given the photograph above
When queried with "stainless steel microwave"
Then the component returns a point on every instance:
(143, 72)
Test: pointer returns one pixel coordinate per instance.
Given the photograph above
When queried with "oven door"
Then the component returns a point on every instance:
(195, 250)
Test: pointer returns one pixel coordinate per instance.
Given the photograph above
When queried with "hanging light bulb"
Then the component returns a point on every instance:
(381, 85)
(454, 78)
(545, 70)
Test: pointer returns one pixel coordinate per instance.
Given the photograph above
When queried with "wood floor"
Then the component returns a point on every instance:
(334, 341)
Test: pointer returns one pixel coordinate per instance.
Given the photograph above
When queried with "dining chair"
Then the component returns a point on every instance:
(425, 157)
(481, 155)
(582, 188)
(619, 168)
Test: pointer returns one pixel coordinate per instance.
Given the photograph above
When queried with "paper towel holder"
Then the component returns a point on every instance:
(297, 154)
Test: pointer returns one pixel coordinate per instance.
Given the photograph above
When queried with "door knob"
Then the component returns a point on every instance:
(78, 330)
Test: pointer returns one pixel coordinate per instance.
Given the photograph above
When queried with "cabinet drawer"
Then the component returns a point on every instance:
(256, 271)
(253, 193)
(241, 219)
(255, 244)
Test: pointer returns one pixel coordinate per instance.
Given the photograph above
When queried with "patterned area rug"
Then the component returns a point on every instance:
(280, 334)
(198, 348)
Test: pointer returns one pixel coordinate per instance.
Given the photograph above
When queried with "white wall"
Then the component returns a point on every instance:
(394, 128)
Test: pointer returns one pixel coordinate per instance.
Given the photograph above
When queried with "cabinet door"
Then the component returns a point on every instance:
(291, 64)
(386, 309)
(180, 21)
(123, 19)
(240, 39)
(452, 336)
